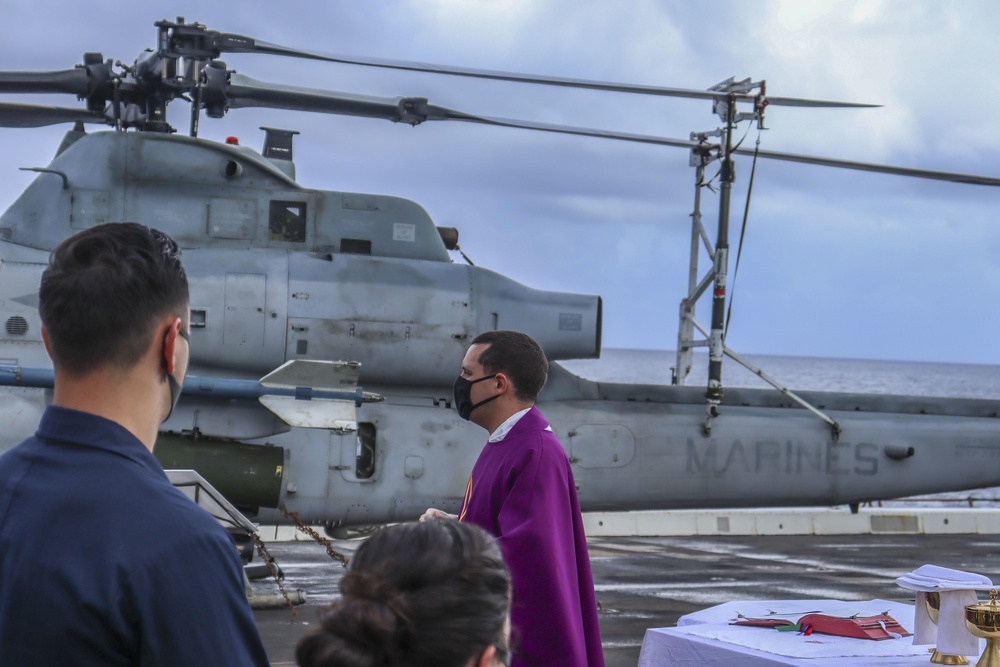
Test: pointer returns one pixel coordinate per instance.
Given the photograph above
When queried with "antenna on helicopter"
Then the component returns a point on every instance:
(278, 148)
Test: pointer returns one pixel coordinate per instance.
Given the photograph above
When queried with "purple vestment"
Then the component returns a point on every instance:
(522, 492)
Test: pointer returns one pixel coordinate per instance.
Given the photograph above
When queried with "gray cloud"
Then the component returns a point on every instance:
(835, 264)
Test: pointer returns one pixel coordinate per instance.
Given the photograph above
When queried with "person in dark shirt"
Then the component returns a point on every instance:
(104, 562)
(427, 594)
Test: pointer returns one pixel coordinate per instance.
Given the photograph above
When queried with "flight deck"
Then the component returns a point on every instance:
(649, 582)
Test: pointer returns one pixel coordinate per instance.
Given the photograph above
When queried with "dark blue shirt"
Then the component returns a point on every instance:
(104, 562)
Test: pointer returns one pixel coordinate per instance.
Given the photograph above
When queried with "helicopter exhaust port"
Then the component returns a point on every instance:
(232, 170)
(899, 452)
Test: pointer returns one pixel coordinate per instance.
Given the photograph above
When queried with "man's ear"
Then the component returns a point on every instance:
(48, 345)
(503, 382)
(170, 345)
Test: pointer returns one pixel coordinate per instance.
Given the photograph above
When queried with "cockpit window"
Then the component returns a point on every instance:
(286, 221)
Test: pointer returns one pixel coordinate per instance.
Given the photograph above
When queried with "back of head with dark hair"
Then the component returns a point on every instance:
(517, 356)
(103, 292)
(434, 593)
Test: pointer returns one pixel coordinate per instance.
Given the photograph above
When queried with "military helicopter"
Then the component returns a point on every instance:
(287, 281)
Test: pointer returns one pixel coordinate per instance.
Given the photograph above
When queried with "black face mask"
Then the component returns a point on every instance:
(463, 396)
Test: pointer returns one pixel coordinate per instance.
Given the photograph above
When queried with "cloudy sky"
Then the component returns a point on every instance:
(835, 263)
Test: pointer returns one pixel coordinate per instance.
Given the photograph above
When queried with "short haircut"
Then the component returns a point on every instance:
(432, 593)
(517, 356)
(103, 292)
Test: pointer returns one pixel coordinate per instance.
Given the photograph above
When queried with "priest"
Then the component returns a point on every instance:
(522, 491)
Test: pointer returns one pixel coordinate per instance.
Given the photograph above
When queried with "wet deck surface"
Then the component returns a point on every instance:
(645, 582)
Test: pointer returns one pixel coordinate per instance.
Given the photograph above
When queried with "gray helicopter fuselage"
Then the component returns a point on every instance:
(279, 272)
(643, 447)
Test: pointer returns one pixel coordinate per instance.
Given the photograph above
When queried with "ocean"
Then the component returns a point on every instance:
(817, 374)
(802, 373)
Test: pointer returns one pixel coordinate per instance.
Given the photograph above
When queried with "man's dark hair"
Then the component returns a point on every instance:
(517, 356)
(103, 292)
(424, 594)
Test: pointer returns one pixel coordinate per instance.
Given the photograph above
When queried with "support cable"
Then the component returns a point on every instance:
(743, 233)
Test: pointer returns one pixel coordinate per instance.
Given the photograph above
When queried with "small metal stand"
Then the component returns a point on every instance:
(701, 156)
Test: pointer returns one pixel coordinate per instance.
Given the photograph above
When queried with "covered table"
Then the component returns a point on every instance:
(706, 637)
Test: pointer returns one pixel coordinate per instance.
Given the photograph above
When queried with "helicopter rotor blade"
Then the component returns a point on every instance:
(232, 43)
(416, 110)
(244, 91)
(74, 81)
(579, 131)
(37, 115)
(953, 177)
(801, 102)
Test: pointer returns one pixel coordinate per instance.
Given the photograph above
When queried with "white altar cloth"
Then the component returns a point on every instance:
(707, 638)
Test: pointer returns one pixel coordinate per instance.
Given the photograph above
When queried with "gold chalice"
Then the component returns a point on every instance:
(933, 602)
(983, 620)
